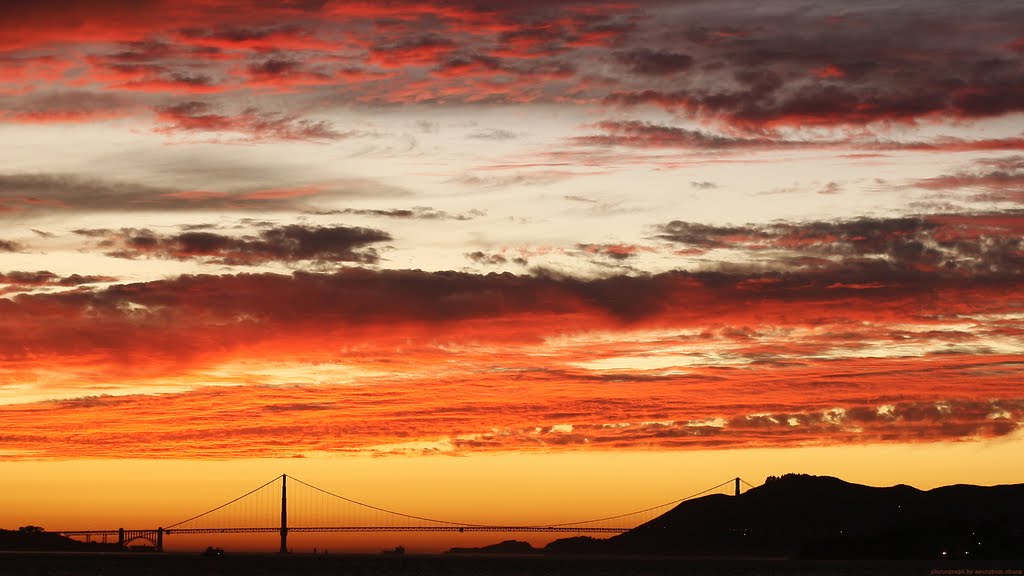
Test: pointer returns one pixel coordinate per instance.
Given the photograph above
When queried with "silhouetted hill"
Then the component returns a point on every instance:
(506, 547)
(34, 538)
(576, 545)
(825, 517)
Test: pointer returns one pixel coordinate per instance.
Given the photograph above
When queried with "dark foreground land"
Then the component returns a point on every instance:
(136, 564)
(804, 517)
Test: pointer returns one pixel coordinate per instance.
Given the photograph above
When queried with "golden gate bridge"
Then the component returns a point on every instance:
(271, 509)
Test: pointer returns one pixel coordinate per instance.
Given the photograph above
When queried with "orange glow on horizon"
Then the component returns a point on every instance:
(507, 488)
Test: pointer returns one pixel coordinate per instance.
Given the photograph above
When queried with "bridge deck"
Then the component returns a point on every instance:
(318, 507)
(293, 529)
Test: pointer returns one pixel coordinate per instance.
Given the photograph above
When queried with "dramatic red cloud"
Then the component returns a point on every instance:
(411, 52)
(830, 71)
(883, 401)
(204, 320)
(34, 69)
(61, 116)
(866, 330)
(27, 25)
(255, 39)
(852, 330)
(755, 75)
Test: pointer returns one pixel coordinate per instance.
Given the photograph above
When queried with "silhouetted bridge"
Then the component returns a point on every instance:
(314, 509)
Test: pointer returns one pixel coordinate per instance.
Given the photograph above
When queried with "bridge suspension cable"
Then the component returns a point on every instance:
(311, 509)
(385, 510)
(224, 505)
(645, 510)
(314, 509)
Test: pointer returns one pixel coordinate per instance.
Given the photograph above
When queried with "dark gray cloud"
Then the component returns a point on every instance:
(540, 178)
(493, 259)
(27, 278)
(274, 67)
(288, 244)
(699, 235)
(417, 213)
(494, 134)
(49, 106)
(654, 62)
(21, 281)
(876, 63)
(30, 194)
(251, 123)
(123, 317)
(637, 134)
(830, 188)
(976, 244)
(717, 61)
(238, 33)
(988, 179)
(619, 252)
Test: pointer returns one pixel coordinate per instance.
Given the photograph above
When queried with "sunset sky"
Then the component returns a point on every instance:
(481, 259)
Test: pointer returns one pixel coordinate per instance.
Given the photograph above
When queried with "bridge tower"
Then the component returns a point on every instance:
(737, 485)
(284, 514)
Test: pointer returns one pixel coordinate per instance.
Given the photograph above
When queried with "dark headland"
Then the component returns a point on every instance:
(35, 538)
(820, 517)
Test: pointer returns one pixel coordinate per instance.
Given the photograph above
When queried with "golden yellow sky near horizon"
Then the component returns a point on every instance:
(499, 488)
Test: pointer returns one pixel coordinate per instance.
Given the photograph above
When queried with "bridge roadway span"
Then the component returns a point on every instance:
(562, 529)
(156, 536)
(255, 530)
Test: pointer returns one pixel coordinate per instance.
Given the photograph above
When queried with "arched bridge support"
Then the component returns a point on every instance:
(154, 537)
